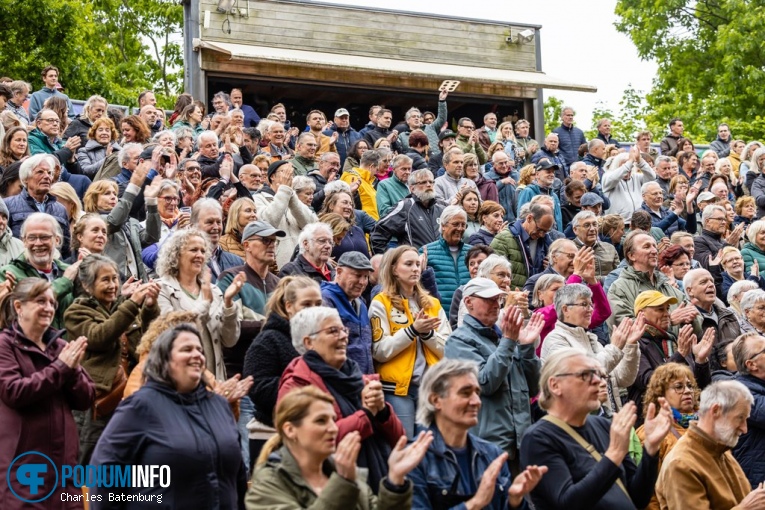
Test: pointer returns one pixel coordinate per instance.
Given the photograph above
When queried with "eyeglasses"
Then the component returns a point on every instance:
(171, 200)
(43, 238)
(585, 376)
(589, 226)
(538, 230)
(759, 353)
(51, 121)
(266, 241)
(680, 388)
(470, 128)
(586, 306)
(430, 182)
(332, 331)
(717, 219)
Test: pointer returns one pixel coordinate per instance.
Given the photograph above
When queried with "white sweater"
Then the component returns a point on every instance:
(624, 195)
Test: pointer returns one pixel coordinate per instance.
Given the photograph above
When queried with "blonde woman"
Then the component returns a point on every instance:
(409, 329)
(241, 212)
(66, 195)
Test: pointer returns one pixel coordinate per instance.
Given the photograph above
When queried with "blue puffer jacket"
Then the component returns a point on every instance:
(570, 138)
(22, 205)
(450, 274)
(436, 479)
(751, 446)
(359, 328)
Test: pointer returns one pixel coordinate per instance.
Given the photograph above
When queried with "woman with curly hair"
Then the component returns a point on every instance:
(241, 212)
(528, 175)
(134, 130)
(186, 284)
(102, 142)
(675, 384)
(341, 202)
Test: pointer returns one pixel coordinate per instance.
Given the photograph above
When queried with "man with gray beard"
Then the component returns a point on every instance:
(414, 220)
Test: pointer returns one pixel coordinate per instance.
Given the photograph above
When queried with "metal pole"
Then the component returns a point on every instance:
(539, 102)
(192, 73)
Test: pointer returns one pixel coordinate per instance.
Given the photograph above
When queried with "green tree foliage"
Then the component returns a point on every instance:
(113, 48)
(552, 107)
(711, 62)
(627, 122)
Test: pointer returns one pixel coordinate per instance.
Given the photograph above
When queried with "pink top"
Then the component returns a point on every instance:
(601, 309)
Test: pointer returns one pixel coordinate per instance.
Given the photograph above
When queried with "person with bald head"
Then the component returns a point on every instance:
(670, 219)
(550, 150)
(699, 285)
(148, 113)
(526, 243)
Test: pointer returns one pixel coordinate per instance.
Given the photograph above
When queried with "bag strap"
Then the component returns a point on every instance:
(584, 444)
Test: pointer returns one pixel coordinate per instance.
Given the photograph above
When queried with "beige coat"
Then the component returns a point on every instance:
(286, 212)
(620, 364)
(218, 325)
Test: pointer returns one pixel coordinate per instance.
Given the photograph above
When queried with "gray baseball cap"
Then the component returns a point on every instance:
(262, 229)
(355, 260)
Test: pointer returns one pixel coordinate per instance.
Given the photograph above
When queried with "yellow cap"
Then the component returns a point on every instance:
(652, 298)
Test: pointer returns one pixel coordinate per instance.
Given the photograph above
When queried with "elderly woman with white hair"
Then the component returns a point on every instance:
(497, 269)
(753, 308)
(318, 334)
(186, 284)
(754, 249)
(735, 294)
(620, 359)
(461, 470)
(622, 183)
(572, 442)
(447, 255)
(36, 176)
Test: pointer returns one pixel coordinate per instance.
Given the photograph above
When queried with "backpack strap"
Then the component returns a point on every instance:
(584, 444)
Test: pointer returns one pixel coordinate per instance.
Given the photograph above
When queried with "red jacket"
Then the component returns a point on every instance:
(37, 395)
(298, 374)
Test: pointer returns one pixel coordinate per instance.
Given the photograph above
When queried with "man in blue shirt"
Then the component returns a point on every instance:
(37, 100)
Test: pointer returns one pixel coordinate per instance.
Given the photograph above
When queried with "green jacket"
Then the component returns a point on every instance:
(390, 192)
(507, 245)
(278, 483)
(63, 287)
(303, 166)
(750, 252)
(87, 317)
(622, 294)
(467, 147)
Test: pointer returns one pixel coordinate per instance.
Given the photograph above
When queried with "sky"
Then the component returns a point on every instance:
(579, 43)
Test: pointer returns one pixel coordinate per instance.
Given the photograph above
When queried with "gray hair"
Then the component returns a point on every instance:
(41, 217)
(450, 212)
(222, 95)
(437, 381)
(751, 298)
(581, 216)
(158, 360)
(416, 175)
(336, 186)
(401, 159)
(754, 229)
(594, 143)
(575, 165)
(127, 151)
(305, 136)
(272, 125)
(690, 278)
(663, 159)
(202, 204)
(168, 261)
(19, 86)
(555, 364)
(490, 262)
(166, 132)
(183, 132)
(167, 183)
(212, 135)
(525, 208)
(310, 230)
(410, 111)
(370, 158)
(720, 162)
(306, 321)
(563, 110)
(91, 266)
(454, 151)
(726, 394)
(543, 283)
(29, 164)
(708, 211)
(94, 99)
(263, 126)
(739, 288)
(741, 352)
(568, 295)
(301, 182)
(646, 185)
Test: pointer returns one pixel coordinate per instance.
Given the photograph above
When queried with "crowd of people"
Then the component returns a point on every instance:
(475, 318)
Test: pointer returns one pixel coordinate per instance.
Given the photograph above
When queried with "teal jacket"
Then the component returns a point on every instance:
(526, 194)
(390, 192)
(750, 252)
(450, 273)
